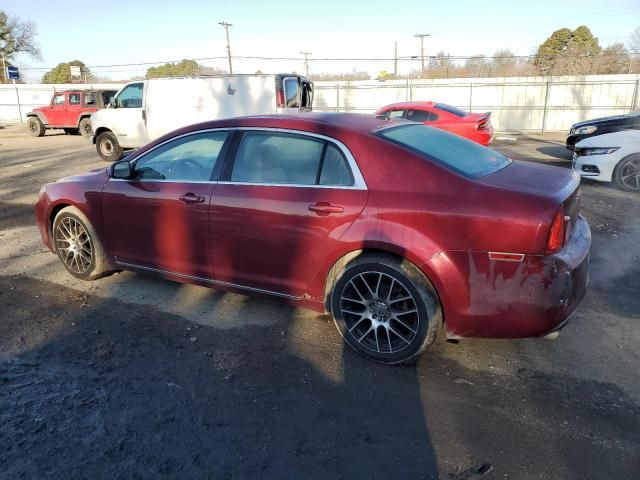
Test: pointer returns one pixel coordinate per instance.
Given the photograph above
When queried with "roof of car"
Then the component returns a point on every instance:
(416, 104)
(356, 122)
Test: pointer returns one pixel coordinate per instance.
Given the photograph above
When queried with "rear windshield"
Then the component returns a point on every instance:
(451, 109)
(455, 153)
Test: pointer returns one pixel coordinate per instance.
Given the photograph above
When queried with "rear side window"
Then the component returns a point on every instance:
(289, 159)
(421, 116)
(74, 99)
(455, 153)
(335, 170)
(277, 158)
(89, 99)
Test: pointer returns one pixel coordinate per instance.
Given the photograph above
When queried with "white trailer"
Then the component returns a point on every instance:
(145, 110)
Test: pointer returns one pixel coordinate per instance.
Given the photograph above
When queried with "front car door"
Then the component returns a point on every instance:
(57, 110)
(74, 107)
(283, 202)
(158, 219)
(130, 124)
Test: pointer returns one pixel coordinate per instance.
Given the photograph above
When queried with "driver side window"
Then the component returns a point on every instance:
(131, 96)
(187, 159)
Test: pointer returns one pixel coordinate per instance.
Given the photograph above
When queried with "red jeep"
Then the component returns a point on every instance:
(69, 111)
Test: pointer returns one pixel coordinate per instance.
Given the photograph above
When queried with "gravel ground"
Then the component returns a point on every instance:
(136, 377)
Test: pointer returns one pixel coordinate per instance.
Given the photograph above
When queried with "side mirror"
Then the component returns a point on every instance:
(113, 103)
(121, 169)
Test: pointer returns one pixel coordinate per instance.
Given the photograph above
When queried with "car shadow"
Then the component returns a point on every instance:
(556, 151)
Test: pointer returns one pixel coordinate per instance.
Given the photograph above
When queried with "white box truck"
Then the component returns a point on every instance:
(145, 110)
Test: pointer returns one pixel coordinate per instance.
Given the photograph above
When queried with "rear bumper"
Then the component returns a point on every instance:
(502, 299)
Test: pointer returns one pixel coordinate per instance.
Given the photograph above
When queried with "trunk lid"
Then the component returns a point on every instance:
(556, 184)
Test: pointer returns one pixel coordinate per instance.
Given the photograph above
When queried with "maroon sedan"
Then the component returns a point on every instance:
(397, 229)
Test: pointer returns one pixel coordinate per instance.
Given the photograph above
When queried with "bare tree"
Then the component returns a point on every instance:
(17, 36)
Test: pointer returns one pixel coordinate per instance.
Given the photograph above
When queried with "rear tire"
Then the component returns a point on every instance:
(85, 127)
(77, 245)
(108, 147)
(36, 127)
(385, 309)
(626, 175)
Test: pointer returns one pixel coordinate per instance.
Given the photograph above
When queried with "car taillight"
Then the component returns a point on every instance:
(279, 98)
(485, 124)
(556, 233)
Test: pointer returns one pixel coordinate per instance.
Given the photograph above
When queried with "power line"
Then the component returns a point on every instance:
(345, 59)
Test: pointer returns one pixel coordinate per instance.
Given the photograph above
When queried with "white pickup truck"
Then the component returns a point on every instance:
(143, 111)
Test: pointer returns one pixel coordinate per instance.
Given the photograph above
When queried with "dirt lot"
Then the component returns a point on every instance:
(135, 377)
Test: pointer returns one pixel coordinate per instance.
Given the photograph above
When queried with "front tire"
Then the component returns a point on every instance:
(108, 147)
(85, 127)
(78, 246)
(626, 175)
(36, 127)
(385, 309)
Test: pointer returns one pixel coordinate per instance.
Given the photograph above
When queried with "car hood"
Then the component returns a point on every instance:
(91, 175)
(612, 120)
(548, 181)
(614, 139)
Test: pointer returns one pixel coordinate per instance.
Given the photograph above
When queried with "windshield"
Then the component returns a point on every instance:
(455, 153)
(451, 109)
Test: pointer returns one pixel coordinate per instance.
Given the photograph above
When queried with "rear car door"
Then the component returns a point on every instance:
(130, 124)
(283, 202)
(158, 219)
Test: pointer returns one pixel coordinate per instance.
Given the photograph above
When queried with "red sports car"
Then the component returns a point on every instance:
(474, 126)
(396, 229)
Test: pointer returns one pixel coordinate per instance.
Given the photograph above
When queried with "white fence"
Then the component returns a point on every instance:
(18, 100)
(518, 103)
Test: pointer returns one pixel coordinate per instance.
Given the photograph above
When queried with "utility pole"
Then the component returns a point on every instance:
(421, 37)
(226, 26)
(306, 62)
(395, 59)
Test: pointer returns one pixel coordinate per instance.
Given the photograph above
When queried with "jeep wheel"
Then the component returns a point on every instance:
(108, 147)
(85, 127)
(35, 126)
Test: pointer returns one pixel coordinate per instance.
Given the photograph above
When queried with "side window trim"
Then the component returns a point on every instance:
(358, 180)
(217, 168)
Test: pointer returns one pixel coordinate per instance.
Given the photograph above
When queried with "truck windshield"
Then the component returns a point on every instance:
(455, 153)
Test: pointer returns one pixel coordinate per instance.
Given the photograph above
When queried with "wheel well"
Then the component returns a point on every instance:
(342, 262)
(82, 117)
(54, 212)
(98, 132)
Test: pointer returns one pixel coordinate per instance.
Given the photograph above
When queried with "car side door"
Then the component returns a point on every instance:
(284, 200)
(130, 126)
(57, 110)
(158, 218)
(74, 107)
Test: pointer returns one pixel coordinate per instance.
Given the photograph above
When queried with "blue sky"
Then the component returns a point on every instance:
(120, 31)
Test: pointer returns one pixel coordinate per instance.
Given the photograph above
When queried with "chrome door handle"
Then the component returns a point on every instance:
(325, 208)
(190, 198)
